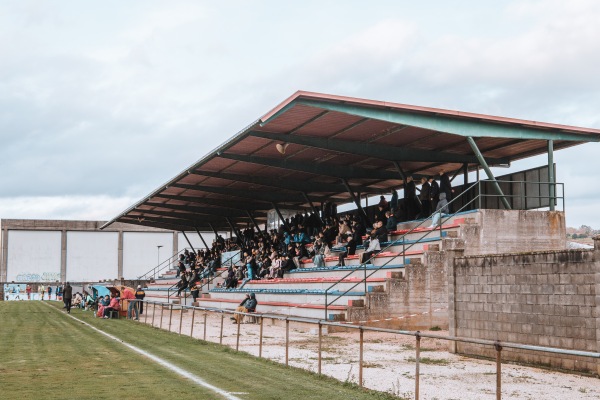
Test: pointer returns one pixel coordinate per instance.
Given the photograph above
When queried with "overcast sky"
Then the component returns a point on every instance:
(101, 102)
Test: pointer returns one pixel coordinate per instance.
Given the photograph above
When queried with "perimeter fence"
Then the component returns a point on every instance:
(151, 313)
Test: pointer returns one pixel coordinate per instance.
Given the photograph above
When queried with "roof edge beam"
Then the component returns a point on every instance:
(231, 204)
(449, 124)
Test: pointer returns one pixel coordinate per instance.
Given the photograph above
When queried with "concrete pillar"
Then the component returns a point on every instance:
(451, 271)
(175, 245)
(63, 256)
(597, 291)
(120, 256)
(4, 258)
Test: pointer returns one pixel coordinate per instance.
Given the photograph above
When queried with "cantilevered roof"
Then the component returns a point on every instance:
(335, 143)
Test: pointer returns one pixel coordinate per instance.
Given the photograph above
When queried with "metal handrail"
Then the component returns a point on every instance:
(167, 263)
(393, 243)
(402, 239)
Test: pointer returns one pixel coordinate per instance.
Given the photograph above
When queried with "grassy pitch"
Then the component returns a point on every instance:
(46, 354)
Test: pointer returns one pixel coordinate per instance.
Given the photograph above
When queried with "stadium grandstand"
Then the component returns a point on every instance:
(291, 194)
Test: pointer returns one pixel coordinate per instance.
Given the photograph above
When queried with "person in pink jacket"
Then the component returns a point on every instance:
(113, 306)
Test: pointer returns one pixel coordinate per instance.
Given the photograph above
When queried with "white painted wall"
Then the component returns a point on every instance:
(140, 252)
(92, 256)
(33, 253)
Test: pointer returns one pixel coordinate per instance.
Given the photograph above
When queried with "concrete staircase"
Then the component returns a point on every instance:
(396, 272)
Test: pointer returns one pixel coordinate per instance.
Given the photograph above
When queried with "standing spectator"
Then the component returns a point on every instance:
(49, 292)
(434, 192)
(68, 296)
(394, 201)
(59, 291)
(139, 295)
(28, 290)
(425, 197)
(411, 206)
(445, 185)
(41, 290)
(383, 203)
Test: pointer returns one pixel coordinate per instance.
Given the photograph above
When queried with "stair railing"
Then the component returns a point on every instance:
(405, 248)
(476, 199)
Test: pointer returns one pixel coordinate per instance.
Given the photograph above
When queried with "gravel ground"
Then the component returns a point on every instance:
(389, 363)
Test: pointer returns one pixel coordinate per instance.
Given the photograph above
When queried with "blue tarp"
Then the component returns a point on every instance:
(99, 290)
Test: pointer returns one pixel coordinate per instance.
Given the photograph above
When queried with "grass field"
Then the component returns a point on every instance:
(46, 354)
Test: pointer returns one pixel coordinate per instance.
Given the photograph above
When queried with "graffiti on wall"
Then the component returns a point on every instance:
(44, 277)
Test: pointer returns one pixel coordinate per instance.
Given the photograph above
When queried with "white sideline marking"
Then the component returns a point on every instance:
(160, 361)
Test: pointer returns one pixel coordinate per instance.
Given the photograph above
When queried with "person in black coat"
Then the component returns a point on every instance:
(445, 186)
(425, 197)
(410, 199)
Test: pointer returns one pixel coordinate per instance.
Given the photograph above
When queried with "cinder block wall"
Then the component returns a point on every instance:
(549, 298)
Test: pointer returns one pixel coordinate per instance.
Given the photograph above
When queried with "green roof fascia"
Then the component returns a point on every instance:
(446, 124)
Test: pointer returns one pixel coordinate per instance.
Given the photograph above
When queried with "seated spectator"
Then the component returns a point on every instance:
(248, 305)
(392, 222)
(373, 248)
(182, 285)
(319, 258)
(103, 302)
(112, 306)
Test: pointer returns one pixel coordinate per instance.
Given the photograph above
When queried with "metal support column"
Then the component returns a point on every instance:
(357, 202)
(551, 177)
(312, 206)
(254, 222)
(287, 227)
(400, 171)
(202, 238)
(188, 240)
(214, 230)
(465, 174)
(237, 233)
(487, 170)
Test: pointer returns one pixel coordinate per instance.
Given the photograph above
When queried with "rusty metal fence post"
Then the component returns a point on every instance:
(221, 334)
(360, 357)
(237, 340)
(260, 338)
(320, 348)
(418, 362)
(498, 370)
(204, 337)
(193, 318)
(170, 316)
(180, 319)
(287, 340)
(162, 310)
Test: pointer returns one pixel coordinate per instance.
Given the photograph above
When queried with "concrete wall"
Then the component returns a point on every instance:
(540, 298)
(53, 250)
(502, 231)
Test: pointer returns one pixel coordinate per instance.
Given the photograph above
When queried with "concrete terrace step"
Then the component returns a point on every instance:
(315, 283)
(380, 259)
(341, 271)
(278, 307)
(300, 296)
